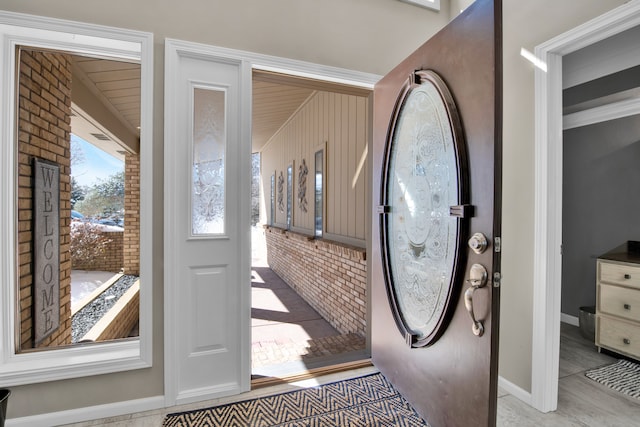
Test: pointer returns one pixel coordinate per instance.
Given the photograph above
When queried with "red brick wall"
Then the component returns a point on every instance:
(132, 214)
(111, 260)
(330, 276)
(119, 321)
(44, 125)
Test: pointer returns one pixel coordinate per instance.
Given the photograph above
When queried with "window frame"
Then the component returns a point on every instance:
(289, 209)
(318, 150)
(198, 86)
(79, 360)
(272, 216)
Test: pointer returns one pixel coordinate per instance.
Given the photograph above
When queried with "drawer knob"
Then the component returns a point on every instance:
(627, 307)
(627, 276)
(627, 341)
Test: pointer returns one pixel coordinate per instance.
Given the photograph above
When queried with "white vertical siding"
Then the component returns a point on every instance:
(340, 123)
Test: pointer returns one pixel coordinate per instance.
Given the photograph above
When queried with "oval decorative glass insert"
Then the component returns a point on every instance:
(422, 184)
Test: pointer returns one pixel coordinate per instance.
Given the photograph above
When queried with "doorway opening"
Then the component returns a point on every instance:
(549, 170)
(309, 226)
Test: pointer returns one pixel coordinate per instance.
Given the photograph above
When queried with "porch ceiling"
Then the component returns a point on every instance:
(116, 87)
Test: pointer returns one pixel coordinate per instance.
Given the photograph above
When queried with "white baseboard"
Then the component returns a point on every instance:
(571, 320)
(152, 403)
(514, 390)
(89, 413)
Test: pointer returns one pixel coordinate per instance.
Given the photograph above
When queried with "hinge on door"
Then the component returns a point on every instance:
(497, 244)
(497, 278)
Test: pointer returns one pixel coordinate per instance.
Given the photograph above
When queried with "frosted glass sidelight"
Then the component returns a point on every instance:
(208, 172)
(421, 185)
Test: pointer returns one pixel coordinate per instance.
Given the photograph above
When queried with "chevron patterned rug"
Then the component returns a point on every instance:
(622, 376)
(365, 401)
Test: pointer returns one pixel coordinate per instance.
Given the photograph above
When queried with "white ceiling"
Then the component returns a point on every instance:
(116, 86)
(273, 104)
(106, 103)
(277, 96)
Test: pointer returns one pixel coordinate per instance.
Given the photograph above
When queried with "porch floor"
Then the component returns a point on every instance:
(288, 335)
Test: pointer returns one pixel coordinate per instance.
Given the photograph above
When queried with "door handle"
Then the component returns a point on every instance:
(477, 279)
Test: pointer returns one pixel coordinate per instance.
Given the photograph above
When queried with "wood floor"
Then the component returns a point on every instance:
(581, 401)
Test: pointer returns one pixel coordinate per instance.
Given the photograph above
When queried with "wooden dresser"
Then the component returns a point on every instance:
(618, 301)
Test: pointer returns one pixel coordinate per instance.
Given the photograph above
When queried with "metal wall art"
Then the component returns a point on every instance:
(303, 171)
(281, 192)
(423, 186)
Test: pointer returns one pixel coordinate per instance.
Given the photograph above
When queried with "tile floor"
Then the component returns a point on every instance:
(581, 402)
(154, 418)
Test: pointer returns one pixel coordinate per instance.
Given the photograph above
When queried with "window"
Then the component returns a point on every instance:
(272, 217)
(24, 34)
(289, 196)
(208, 173)
(318, 193)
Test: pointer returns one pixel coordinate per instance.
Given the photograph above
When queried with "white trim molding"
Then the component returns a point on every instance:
(84, 39)
(616, 110)
(109, 410)
(249, 61)
(548, 194)
(569, 319)
(514, 390)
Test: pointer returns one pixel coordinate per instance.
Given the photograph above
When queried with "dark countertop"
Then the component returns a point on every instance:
(622, 253)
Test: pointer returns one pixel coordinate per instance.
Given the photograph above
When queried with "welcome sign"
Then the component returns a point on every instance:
(46, 249)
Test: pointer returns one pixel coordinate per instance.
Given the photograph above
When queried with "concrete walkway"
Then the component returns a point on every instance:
(84, 282)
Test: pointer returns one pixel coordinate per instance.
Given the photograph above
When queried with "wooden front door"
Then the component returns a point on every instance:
(437, 194)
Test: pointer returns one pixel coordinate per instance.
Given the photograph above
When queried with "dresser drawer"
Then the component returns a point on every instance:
(619, 301)
(622, 274)
(618, 335)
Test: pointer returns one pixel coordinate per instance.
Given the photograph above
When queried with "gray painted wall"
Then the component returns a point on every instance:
(601, 202)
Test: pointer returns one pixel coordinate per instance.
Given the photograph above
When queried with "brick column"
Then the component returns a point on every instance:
(132, 214)
(44, 125)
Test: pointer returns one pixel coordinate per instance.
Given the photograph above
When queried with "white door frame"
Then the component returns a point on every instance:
(548, 195)
(249, 61)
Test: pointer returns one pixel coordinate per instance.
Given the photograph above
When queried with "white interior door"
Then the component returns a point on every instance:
(207, 223)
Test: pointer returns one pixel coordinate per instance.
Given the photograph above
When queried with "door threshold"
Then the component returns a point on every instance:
(265, 381)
